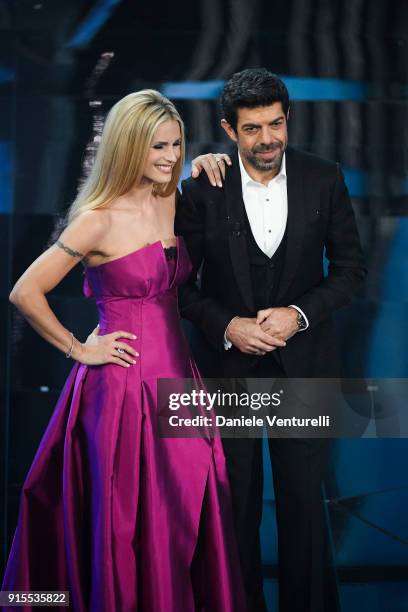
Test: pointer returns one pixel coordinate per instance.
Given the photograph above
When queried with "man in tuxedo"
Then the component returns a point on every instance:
(265, 304)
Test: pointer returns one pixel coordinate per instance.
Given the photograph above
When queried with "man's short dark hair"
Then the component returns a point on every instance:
(251, 88)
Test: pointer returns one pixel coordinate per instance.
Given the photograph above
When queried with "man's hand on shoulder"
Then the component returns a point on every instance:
(214, 166)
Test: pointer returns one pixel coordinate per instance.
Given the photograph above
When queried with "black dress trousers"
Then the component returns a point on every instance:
(307, 580)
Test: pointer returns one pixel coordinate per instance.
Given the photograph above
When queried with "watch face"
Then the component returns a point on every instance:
(301, 321)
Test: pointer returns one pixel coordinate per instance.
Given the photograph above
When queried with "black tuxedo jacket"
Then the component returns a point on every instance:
(320, 220)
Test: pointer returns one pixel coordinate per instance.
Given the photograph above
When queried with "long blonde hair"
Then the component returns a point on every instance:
(123, 149)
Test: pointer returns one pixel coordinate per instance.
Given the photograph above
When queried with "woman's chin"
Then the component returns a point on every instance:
(162, 180)
(157, 180)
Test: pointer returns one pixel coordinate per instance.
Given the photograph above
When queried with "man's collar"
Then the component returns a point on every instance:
(246, 179)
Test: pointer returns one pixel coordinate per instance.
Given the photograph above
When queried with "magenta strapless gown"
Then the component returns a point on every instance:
(123, 519)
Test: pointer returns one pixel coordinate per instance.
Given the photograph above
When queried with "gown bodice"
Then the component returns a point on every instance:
(147, 273)
(137, 293)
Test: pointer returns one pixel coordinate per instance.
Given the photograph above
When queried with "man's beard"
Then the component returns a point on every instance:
(264, 165)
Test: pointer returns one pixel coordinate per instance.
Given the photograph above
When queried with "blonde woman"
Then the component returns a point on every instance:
(123, 519)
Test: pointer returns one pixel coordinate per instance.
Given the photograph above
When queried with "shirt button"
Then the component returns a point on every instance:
(267, 199)
(269, 231)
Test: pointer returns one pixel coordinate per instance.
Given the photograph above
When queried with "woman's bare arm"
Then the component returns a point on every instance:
(81, 237)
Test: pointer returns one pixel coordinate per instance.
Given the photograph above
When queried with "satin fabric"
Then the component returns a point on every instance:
(123, 519)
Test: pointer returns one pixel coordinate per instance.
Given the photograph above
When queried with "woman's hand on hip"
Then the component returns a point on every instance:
(109, 348)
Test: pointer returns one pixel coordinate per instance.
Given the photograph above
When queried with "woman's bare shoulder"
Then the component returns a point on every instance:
(91, 222)
(87, 230)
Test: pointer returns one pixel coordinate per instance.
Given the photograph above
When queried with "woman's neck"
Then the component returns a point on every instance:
(140, 196)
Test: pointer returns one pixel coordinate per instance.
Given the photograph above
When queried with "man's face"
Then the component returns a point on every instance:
(261, 135)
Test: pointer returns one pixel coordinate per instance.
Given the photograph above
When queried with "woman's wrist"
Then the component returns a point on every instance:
(78, 350)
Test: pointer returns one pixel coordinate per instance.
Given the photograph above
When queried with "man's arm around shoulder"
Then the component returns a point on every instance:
(205, 312)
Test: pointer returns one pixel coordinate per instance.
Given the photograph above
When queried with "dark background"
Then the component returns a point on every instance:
(62, 66)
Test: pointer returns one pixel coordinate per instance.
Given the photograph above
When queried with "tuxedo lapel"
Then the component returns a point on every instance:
(237, 233)
(295, 222)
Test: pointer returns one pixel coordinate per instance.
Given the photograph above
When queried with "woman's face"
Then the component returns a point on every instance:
(164, 152)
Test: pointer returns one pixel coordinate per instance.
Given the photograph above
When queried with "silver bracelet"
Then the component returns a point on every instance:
(68, 355)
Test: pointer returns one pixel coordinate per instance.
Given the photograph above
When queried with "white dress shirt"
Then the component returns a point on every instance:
(266, 208)
(267, 211)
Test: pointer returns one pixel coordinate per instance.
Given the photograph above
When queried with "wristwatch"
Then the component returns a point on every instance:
(300, 320)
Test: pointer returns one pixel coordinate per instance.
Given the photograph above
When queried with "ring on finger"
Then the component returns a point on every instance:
(120, 350)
